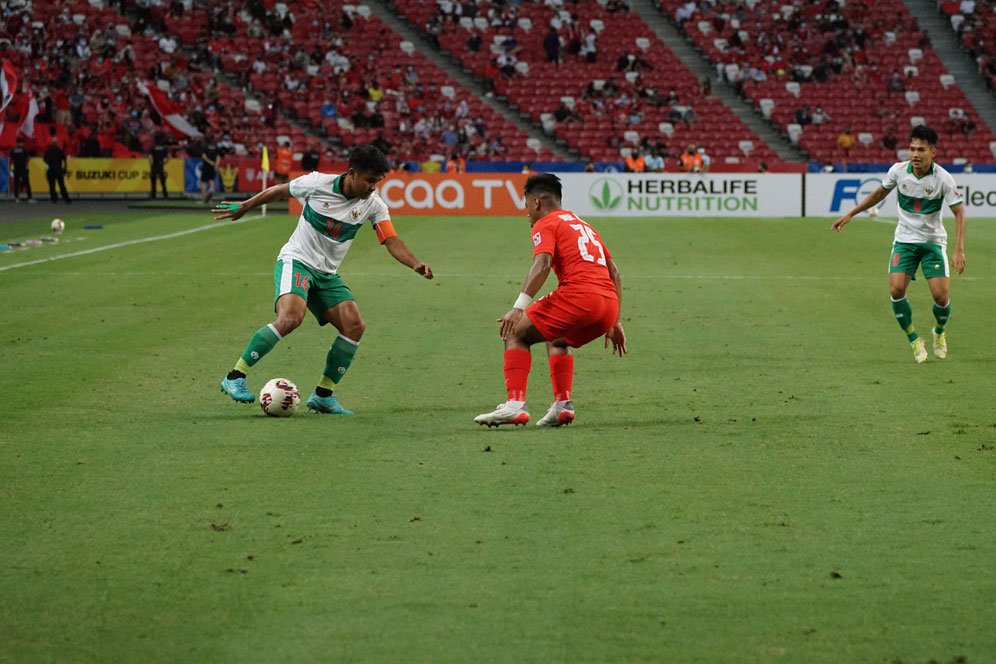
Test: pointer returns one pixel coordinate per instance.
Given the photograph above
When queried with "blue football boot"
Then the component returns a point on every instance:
(237, 389)
(327, 405)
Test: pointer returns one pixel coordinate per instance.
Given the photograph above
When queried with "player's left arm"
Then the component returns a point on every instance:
(958, 259)
(401, 253)
(616, 335)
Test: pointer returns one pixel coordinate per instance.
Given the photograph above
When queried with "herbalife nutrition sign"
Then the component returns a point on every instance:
(678, 195)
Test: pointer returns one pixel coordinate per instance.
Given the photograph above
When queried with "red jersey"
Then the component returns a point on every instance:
(580, 257)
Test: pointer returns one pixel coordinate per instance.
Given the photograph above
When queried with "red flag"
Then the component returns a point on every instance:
(169, 111)
(8, 84)
(28, 124)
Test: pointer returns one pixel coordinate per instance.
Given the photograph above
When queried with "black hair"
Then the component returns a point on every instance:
(924, 133)
(544, 183)
(368, 159)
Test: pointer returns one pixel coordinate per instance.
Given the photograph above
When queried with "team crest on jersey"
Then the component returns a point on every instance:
(928, 190)
(355, 213)
(536, 239)
(326, 205)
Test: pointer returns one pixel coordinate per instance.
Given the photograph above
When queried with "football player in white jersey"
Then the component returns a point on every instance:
(923, 189)
(306, 278)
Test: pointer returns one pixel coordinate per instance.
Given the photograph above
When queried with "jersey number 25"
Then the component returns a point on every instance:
(585, 237)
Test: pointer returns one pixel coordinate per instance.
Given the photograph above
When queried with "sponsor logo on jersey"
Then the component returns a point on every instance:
(536, 239)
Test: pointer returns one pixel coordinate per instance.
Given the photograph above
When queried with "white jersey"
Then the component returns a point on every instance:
(329, 221)
(921, 201)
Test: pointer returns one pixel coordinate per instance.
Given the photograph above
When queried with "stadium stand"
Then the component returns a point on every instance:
(866, 64)
(604, 104)
(974, 21)
(339, 70)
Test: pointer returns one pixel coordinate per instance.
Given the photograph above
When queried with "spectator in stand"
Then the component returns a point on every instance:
(310, 159)
(802, 115)
(895, 83)
(705, 87)
(690, 160)
(56, 165)
(706, 160)
(890, 141)
(565, 113)
(551, 44)
(635, 163)
(589, 48)
(19, 157)
(475, 42)
(846, 141)
(284, 161)
(820, 116)
(456, 164)
(654, 162)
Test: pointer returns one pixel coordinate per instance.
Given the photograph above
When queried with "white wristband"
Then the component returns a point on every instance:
(522, 301)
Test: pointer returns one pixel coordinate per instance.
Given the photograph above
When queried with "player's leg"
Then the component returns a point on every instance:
(516, 365)
(162, 181)
(562, 379)
(902, 266)
(935, 269)
(51, 186)
(291, 289)
(333, 299)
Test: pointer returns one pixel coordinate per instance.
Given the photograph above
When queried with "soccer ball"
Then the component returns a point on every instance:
(279, 398)
(58, 225)
(873, 212)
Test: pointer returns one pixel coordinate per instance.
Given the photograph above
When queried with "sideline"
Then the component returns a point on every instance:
(154, 238)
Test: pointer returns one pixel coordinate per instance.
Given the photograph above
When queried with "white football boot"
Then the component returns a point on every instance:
(919, 350)
(940, 345)
(560, 414)
(503, 414)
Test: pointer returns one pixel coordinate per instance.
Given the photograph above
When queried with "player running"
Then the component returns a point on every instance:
(306, 275)
(923, 188)
(585, 305)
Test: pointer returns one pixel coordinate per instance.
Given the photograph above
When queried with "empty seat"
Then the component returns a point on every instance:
(865, 138)
(666, 128)
(794, 88)
(631, 136)
(947, 80)
(447, 91)
(912, 97)
(746, 147)
(767, 105)
(915, 55)
(642, 43)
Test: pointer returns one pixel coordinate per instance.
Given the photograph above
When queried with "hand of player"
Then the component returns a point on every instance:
(959, 261)
(227, 210)
(840, 223)
(424, 270)
(618, 338)
(508, 322)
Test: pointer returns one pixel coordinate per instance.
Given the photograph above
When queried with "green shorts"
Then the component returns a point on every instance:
(320, 290)
(906, 256)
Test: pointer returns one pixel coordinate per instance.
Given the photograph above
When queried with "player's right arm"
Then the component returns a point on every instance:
(234, 210)
(871, 200)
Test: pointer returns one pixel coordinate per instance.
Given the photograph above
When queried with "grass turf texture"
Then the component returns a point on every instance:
(766, 477)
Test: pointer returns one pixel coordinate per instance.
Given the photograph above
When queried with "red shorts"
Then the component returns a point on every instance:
(578, 317)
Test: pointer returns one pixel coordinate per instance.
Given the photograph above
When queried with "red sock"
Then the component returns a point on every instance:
(517, 364)
(562, 376)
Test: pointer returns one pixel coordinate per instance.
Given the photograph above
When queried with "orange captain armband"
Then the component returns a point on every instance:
(385, 230)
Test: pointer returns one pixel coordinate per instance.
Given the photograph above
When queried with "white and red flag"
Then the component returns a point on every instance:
(28, 124)
(8, 84)
(169, 111)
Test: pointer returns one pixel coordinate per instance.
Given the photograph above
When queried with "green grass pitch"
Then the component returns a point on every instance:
(767, 477)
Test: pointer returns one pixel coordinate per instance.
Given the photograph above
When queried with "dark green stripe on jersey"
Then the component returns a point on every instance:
(919, 205)
(329, 227)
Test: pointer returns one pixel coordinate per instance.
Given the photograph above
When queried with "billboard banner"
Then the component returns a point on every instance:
(442, 194)
(683, 195)
(4, 176)
(833, 194)
(107, 176)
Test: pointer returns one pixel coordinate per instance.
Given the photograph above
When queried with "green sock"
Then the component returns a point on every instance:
(941, 315)
(904, 316)
(339, 358)
(261, 343)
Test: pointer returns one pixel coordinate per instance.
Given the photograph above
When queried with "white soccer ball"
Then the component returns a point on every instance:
(279, 398)
(58, 225)
(873, 212)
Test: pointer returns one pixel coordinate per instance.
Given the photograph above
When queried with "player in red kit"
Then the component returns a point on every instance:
(584, 306)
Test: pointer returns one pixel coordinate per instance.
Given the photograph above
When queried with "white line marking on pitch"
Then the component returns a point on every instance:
(154, 238)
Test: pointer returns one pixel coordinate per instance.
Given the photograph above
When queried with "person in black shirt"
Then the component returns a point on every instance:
(55, 160)
(209, 168)
(310, 159)
(19, 160)
(157, 165)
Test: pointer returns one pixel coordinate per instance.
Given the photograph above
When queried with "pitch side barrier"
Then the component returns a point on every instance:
(500, 194)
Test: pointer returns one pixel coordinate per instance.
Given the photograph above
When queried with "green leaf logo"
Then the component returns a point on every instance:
(605, 194)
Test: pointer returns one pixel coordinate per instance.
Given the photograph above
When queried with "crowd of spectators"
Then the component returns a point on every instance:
(974, 21)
